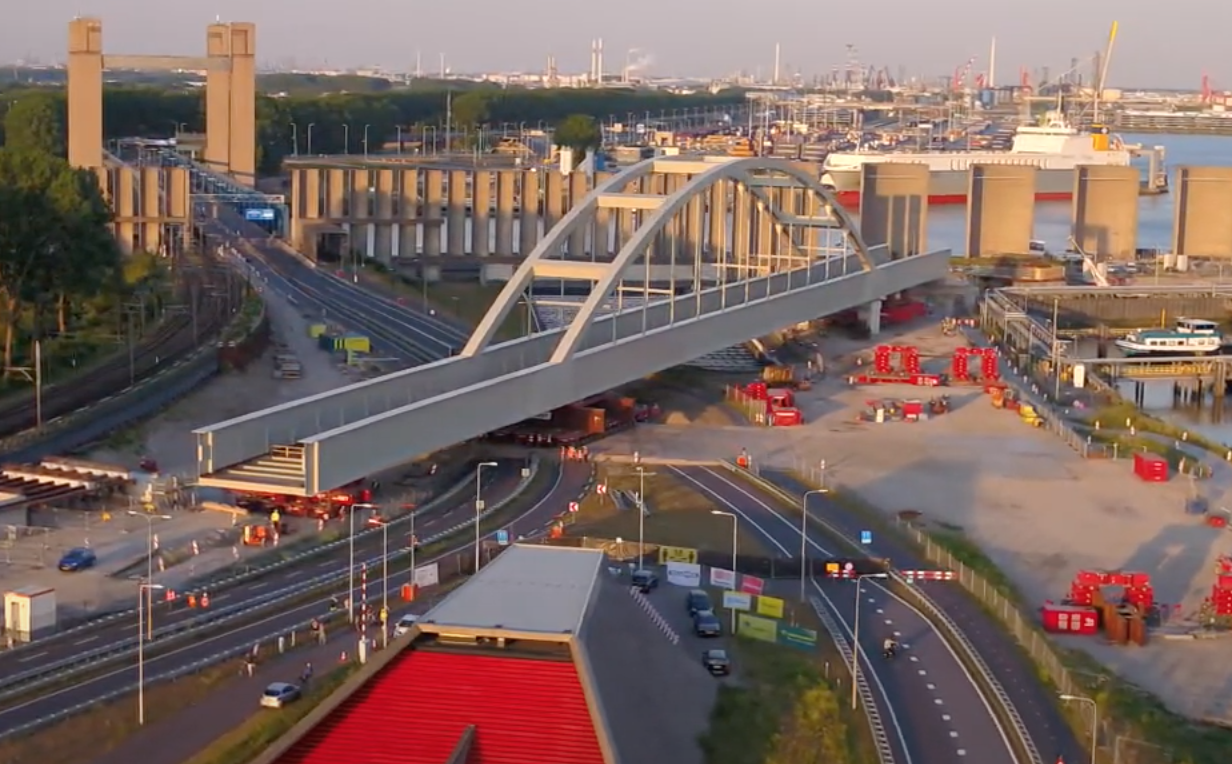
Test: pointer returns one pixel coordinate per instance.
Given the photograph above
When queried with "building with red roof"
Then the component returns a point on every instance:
(542, 658)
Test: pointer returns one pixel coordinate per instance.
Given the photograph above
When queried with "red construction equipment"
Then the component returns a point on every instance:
(990, 367)
(1089, 588)
(1151, 468)
(1219, 603)
(907, 357)
(1069, 619)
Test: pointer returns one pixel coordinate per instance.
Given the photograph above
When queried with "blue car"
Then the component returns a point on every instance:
(78, 559)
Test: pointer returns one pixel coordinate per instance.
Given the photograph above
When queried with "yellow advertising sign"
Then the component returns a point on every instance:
(677, 554)
(770, 606)
(756, 627)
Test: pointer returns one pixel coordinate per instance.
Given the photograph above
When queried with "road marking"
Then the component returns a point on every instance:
(953, 733)
(945, 717)
(931, 686)
(872, 601)
(888, 622)
(962, 752)
(327, 564)
(913, 658)
(32, 657)
(259, 585)
(937, 701)
(881, 612)
(899, 634)
(220, 597)
(923, 672)
(85, 640)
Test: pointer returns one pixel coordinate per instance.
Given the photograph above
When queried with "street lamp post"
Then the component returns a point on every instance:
(351, 569)
(294, 139)
(309, 146)
(1094, 719)
(366, 139)
(855, 648)
(143, 590)
(479, 508)
(346, 139)
(642, 474)
(804, 535)
(735, 535)
(149, 560)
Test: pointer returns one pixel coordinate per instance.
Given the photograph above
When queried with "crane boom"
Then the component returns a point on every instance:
(1103, 72)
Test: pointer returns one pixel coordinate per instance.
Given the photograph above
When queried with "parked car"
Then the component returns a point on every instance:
(698, 600)
(645, 580)
(279, 694)
(717, 662)
(404, 624)
(707, 624)
(78, 559)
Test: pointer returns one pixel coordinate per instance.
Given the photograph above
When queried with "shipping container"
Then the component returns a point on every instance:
(1151, 468)
(30, 613)
(1116, 627)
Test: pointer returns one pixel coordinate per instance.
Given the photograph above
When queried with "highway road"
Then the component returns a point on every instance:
(933, 710)
(1035, 703)
(572, 479)
(501, 482)
(395, 330)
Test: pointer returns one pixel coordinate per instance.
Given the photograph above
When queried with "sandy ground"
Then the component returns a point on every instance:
(1041, 512)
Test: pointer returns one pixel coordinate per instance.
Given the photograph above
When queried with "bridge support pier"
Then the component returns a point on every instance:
(871, 315)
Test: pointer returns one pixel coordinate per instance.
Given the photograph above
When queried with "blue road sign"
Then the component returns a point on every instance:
(260, 214)
(866, 537)
(502, 538)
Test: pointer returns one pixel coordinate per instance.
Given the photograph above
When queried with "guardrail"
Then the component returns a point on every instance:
(42, 676)
(263, 570)
(885, 753)
(945, 624)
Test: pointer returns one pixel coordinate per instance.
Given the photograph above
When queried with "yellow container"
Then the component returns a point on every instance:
(316, 330)
(358, 343)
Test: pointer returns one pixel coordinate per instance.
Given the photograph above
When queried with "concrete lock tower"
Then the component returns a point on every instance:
(230, 100)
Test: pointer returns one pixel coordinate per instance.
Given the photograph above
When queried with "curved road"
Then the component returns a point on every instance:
(503, 480)
(933, 710)
(1036, 704)
(572, 479)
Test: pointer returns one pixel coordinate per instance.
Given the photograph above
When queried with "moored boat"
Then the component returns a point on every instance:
(1190, 336)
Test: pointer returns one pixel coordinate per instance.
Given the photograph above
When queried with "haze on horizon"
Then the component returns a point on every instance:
(1166, 46)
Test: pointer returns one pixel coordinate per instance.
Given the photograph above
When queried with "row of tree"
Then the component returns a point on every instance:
(60, 267)
(339, 121)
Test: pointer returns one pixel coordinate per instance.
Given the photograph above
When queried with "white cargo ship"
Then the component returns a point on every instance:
(1055, 147)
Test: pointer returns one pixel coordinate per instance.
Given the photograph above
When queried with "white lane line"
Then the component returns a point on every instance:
(32, 657)
(259, 585)
(913, 658)
(923, 672)
(938, 701)
(880, 611)
(945, 717)
(931, 686)
(220, 597)
(327, 564)
(872, 601)
(962, 752)
(953, 733)
(86, 640)
(889, 622)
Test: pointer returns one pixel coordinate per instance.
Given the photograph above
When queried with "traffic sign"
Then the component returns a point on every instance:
(601, 489)
(502, 537)
(259, 214)
(573, 506)
(866, 537)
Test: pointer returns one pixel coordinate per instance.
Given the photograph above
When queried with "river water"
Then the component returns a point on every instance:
(947, 227)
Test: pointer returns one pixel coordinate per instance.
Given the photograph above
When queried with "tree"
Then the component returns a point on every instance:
(814, 732)
(35, 123)
(471, 109)
(579, 132)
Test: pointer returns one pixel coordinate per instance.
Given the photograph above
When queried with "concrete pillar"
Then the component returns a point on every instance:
(717, 216)
(528, 203)
(409, 212)
(1000, 210)
(383, 225)
(741, 233)
(152, 214)
(124, 204)
(1201, 223)
(553, 198)
(579, 187)
(455, 226)
(360, 209)
(871, 315)
(1104, 218)
(605, 220)
(336, 196)
(218, 97)
(178, 193)
(506, 201)
(85, 93)
(481, 214)
(242, 130)
(433, 204)
(894, 206)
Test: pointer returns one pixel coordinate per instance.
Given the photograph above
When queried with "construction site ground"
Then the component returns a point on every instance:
(1036, 508)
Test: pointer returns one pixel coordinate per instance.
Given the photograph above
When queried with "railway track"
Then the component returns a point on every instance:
(175, 338)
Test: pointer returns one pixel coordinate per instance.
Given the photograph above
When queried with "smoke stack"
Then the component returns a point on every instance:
(599, 65)
(992, 65)
(776, 64)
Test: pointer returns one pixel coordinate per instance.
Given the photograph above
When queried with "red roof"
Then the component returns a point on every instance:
(415, 711)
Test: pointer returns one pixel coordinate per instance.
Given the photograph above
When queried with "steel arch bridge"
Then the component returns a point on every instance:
(666, 261)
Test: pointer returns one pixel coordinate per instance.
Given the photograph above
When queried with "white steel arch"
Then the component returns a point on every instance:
(760, 179)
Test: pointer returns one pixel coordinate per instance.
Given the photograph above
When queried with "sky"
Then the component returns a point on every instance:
(1159, 45)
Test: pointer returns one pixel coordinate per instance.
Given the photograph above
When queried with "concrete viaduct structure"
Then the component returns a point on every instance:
(151, 204)
(434, 212)
(702, 253)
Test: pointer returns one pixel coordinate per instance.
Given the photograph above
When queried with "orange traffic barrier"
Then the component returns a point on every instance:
(192, 600)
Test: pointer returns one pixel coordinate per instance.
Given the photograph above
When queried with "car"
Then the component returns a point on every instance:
(707, 624)
(698, 600)
(717, 662)
(645, 580)
(78, 559)
(404, 624)
(279, 694)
